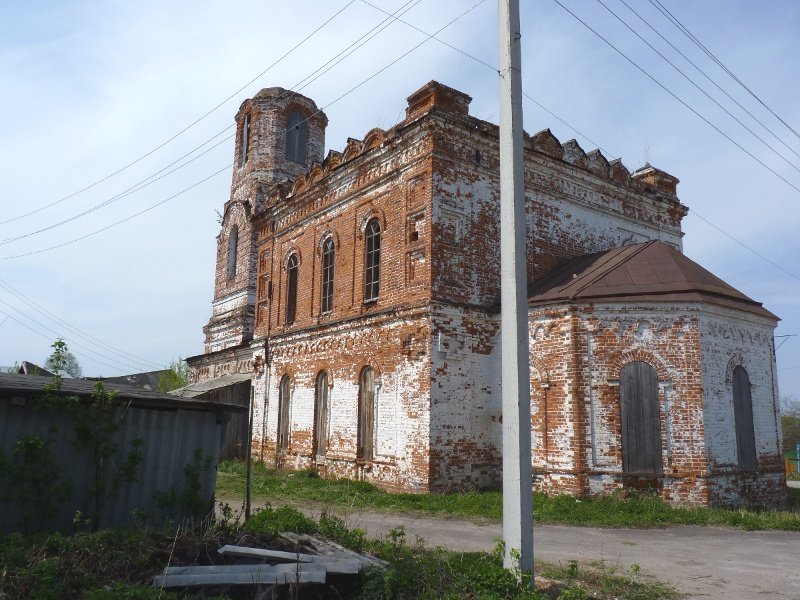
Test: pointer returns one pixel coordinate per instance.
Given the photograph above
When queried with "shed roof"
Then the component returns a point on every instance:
(199, 388)
(29, 368)
(148, 380)
(12, 384)
(649, 272)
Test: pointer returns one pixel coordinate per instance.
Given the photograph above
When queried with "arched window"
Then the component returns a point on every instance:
(297, 138)
(743, 415)
(291, 288)
(283, 413)
(366, 414)
(326, 289)
(321, 415)
(641, 419)
(244, 142)
(233, 250)
(372, 261)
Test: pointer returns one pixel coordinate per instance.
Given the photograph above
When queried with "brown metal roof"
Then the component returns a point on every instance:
(650, 272)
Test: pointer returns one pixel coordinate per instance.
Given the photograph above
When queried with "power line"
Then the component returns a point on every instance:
(425, 33)
(482, 62)
(342, 55)
(750, 249)
(86, 336)
(704, 92)
(743, 245)
(350, 49)
(48, 338)
(124, 365)
(402, 56)
(391, 63)
(672, 18)
(114, 224)
(376, 30)
(678, 98)
(188, 127)
(555, 116)
(131, 190)
(704, 74)
(337, 99)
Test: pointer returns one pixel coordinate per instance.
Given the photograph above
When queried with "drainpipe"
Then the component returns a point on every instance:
(249, 455)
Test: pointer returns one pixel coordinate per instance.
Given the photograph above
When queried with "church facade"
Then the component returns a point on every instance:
(360, 291)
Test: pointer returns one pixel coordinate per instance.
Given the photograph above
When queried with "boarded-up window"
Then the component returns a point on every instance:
(366, 414)
(233, 251)
(321, 415)
(291, 288)
(297, 138)
(743, 414)
(641, 419)
(244, 143)
(328, 260)
(283, 413)
(372, 261)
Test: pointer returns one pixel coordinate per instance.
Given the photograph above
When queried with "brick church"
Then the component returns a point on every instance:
(358, 294)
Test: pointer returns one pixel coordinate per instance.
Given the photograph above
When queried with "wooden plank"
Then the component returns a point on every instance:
(338, 566)
(266, 574)
(211, 569)
(328, 548)
(334, 564)
(264, 554)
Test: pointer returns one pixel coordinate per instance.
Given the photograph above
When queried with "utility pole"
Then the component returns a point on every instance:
(515, 372)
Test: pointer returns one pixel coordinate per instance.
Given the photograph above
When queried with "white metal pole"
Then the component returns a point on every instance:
(517, 494)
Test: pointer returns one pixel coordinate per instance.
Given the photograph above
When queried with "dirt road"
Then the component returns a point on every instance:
(700, 562)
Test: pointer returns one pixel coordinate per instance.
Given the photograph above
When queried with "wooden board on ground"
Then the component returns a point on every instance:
(334, 564)
(261, 574)
(331, 549)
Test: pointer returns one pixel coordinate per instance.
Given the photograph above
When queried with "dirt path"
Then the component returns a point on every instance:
(700, 562)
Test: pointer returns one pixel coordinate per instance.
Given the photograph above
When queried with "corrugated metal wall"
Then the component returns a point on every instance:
(234, 442)
(172, 438)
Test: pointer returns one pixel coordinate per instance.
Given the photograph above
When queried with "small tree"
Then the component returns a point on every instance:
(176, 376)
(62, 360)
(790, 422)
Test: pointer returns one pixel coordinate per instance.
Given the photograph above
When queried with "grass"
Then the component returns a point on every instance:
(120, 564)
(636, 510)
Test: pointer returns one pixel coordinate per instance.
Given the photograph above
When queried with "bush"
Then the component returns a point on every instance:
(277, 520)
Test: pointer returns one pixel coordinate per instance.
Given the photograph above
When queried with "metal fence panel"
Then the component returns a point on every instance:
(173, 439)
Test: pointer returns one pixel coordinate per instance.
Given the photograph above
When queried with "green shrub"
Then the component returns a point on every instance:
(277, 520)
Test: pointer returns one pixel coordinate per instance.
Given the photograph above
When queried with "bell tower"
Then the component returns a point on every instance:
(279, 134)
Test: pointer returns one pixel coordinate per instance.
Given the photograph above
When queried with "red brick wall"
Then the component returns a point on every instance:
(432, 334)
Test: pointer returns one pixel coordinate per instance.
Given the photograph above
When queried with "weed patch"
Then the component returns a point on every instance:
(628, 510)
(120, 564)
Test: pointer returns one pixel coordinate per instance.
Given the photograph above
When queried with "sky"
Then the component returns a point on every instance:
(115, 152)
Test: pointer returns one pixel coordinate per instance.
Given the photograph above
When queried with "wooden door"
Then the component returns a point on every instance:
(641, 419)
(743, 415)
